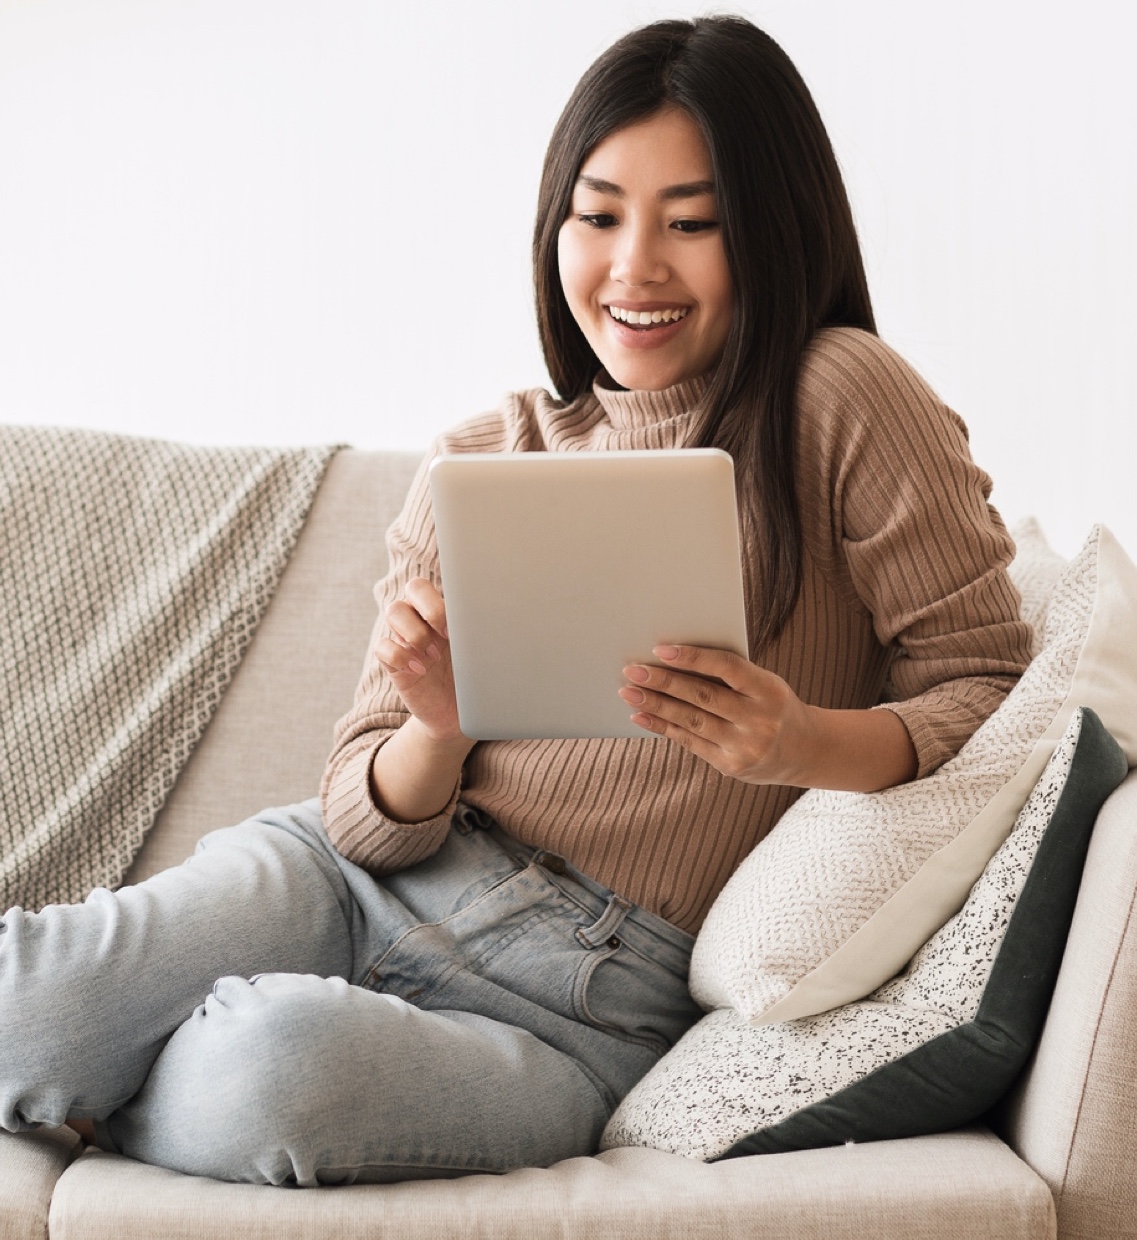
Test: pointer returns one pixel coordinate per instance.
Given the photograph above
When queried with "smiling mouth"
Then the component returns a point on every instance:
(645, 320)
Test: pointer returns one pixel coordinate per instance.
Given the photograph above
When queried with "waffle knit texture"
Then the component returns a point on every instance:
(904, 594)
(133, 573)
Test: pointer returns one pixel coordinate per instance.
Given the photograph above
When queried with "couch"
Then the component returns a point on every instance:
(1054, 1160)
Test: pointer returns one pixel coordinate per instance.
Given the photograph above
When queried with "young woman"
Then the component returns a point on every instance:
(466, 954)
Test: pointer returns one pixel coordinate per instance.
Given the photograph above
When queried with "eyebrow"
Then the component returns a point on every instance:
(688, 189)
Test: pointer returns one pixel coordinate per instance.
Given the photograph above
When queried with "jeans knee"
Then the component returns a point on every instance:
(252, 1040)
(247, 1085)
(273, 1027)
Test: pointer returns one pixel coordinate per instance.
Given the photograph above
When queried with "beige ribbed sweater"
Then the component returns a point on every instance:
(904, 579)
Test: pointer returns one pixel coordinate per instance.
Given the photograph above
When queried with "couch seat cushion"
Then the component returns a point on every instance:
(936, 1188)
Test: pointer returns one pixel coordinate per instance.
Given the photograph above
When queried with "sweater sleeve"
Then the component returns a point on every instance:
(355, 824)
(912, 538)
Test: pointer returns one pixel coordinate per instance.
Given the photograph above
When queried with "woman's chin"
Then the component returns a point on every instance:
(639, 377)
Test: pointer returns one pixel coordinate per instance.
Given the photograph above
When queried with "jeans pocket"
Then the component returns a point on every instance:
(466, 869)
(501, 942)
(626, 993)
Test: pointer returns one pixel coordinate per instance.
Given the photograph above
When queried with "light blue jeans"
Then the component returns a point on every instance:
(483, 1010)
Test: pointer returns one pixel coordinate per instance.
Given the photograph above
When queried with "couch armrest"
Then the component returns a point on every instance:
(1074, 1115)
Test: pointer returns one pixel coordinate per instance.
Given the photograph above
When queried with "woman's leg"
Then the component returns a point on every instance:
(496, 1029)
(90, 993)
(308, 1080)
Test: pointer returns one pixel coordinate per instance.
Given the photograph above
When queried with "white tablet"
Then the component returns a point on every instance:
(558, 569)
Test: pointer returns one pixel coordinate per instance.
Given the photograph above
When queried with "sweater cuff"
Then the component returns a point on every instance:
(931, 751)
(368, 837)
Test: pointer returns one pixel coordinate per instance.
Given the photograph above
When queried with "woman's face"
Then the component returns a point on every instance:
(641, 254)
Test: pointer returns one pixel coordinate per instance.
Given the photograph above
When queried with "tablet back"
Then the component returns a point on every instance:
(560, 568)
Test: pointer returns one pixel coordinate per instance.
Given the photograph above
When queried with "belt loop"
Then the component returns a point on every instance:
(603, 930)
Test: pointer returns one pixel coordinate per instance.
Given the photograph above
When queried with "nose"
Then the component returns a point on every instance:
(638, 256)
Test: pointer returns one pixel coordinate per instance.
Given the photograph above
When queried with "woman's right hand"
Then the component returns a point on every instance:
(416, 658)
(413, 775)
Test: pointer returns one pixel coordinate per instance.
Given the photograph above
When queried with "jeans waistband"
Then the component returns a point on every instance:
(643, 930)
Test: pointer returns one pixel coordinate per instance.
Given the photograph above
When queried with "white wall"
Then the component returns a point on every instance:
(306, 220)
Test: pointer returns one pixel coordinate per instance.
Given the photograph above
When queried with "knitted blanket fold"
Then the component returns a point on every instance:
(133, 573)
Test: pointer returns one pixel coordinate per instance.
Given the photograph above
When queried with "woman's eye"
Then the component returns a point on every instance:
(597, 219)
(694, 226)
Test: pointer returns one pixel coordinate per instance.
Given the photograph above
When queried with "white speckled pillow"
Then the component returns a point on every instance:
(930, 1050)
(847, 886)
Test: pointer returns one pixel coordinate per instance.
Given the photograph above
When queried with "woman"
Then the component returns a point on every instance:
(473, 952)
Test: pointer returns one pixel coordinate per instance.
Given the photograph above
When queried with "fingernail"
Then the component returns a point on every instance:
(633, 697)
(637, 673)
(433, 650)
(415, 666)
(666, 652)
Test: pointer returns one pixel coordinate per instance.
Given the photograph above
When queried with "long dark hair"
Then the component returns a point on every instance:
(789, 238)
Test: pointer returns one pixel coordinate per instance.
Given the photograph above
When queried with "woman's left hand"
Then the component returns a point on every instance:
(749, 724)
(745, 721)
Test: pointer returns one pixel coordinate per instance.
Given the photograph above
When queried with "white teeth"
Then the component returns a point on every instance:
(641, 317)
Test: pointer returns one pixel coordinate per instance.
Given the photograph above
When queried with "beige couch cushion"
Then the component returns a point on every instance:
(1075, 1116)
(268, 741)
(964, 1184)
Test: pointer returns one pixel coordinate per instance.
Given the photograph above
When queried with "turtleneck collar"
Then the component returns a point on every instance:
(633, 409)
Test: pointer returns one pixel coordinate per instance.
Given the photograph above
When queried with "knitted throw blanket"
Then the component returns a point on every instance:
(132, 576)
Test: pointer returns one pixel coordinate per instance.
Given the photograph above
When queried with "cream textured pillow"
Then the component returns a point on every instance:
(848, 886)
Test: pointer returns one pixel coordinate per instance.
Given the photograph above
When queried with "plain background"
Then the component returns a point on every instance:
(295, 221)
